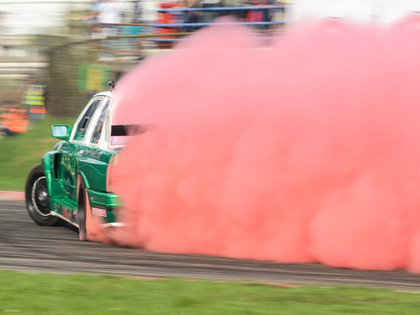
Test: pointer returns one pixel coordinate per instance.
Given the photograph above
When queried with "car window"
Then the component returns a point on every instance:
(119, 140)
(96, 135)
(84, 122)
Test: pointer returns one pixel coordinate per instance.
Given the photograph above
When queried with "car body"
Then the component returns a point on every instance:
(72, 183)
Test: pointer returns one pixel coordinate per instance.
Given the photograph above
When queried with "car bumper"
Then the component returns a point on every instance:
(103, 200)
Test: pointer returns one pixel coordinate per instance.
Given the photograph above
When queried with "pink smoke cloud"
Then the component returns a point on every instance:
(303, 151)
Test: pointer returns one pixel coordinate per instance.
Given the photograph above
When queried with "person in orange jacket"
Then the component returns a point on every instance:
(13, 122)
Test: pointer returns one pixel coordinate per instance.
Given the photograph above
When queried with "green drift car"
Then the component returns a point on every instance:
(72, 182)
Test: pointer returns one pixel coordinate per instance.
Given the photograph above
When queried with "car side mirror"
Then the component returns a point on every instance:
(60, 132)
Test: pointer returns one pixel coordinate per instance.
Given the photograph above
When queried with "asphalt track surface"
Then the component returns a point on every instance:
(25, 246)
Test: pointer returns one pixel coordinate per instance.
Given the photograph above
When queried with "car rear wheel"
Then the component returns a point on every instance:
(37, 198)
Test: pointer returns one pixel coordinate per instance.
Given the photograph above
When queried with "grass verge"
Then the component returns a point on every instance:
(92, 294)
(19, 154)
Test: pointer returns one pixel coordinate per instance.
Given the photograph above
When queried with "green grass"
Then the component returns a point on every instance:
(89, 294)
(19, 154)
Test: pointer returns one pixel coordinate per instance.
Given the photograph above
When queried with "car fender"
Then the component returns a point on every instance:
(93, 167)
(82, 176)
(49, 162)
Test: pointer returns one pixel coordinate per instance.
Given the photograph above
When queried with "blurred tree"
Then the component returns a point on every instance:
(65, 54)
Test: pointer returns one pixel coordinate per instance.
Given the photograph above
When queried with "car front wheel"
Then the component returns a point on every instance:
(82, 205)
(90, 228)
(37, 198)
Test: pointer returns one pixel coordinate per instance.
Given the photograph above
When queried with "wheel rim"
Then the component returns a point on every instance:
(39, 196)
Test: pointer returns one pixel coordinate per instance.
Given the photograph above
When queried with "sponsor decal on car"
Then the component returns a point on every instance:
(66, 213)
(99, 212)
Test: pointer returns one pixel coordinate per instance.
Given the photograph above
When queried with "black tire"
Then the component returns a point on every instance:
(81, 212)
(37, 198)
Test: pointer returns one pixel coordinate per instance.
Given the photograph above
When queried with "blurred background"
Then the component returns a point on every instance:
(54, 55)
(71, 49)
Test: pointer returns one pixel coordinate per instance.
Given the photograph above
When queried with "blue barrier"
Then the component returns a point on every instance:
(171, 40)
(178, 24)
(166, 39)
(246, 8)
(207, 24)
(215, 10)
(179, 19)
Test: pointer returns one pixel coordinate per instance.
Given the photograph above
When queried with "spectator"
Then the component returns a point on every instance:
(166, 17)
(34, 100)
(210, 15)
(136, 18)
(13, 121)
(256, 15)
(279, 15)
(108, 12)
(92, 19)
(137, 12)
(181, 16)
(193, 16)
(240, 14)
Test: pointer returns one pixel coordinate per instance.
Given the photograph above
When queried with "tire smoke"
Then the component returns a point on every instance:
(303, 151)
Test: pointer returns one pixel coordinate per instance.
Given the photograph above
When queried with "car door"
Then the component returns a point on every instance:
(94, 161)
(73, 150)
